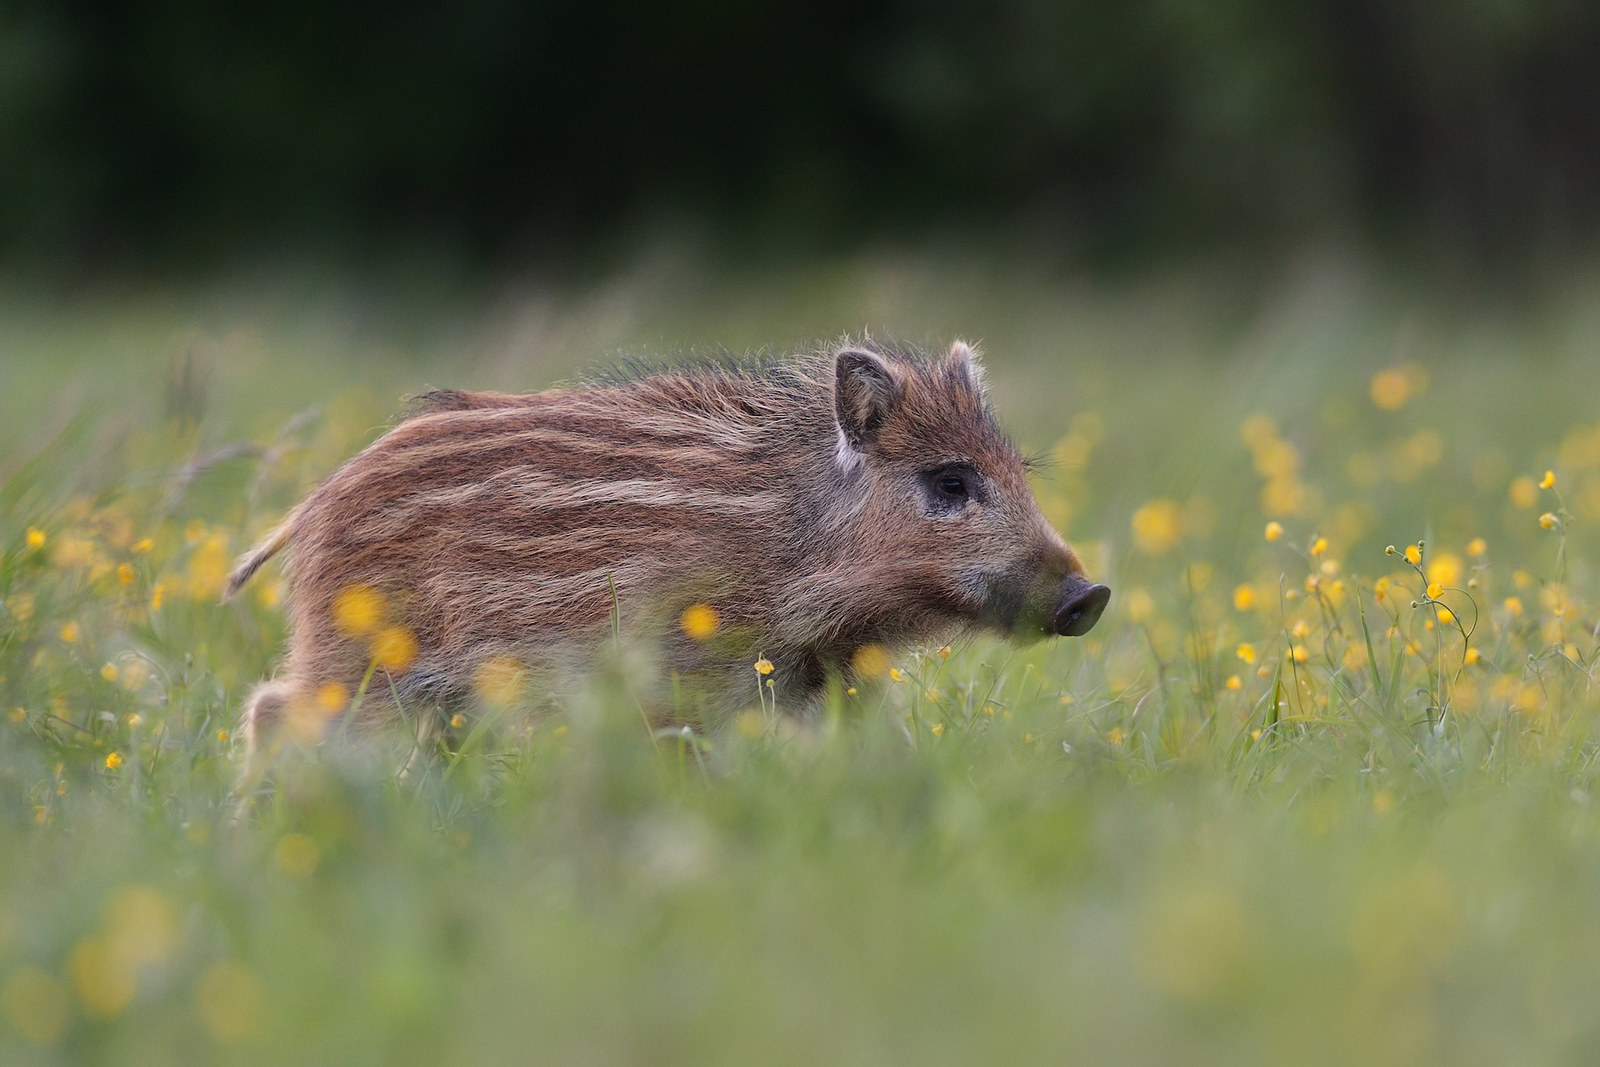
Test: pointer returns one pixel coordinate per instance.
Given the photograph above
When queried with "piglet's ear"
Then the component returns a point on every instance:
(866, 390)
(962, 364)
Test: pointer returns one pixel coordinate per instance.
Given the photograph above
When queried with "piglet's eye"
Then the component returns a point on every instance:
(951, 485)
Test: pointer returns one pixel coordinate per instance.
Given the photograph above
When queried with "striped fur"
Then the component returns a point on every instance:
(793, 497)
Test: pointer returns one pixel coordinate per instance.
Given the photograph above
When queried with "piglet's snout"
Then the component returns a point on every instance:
(1080, 607)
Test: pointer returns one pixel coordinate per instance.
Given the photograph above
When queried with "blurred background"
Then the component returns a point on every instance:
(174, 136)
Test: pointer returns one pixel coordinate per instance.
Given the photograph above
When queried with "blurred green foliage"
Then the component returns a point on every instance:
(173, 131)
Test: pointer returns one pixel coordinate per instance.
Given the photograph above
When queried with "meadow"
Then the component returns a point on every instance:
(1321, 786)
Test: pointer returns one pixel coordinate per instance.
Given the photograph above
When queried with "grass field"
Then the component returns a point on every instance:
(1297, 799)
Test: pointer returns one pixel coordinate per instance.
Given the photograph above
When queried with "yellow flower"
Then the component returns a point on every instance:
(69, 633)
(357, 610)
(1548, 481)
(937, 729)
(944, 652)
(499, 681)
(1477, 546)
(1472, 656)
(332, 697)
(850, 692)
(870, 661)
(1234, 683)
(1413, 555)
(1244, 598)
(1435, 590)
(297, 855)
(142, 546)
(1513, 604)
(1246, 652)
(1446, 616)
(1274, 531)
(1115, 736)
(1157, 526)
(109, 672)
(125, 573)
(113, 760)
(1524, 493)
(896, 675)
(157, 595)
(395, 649)
(1299, 654)
(223, 735)
(457, 721)
(228, 1000)
(699, 621)
(35, 538)
(1391, 388)
(1319, 546)
(18, 714)
(764, 667)
(1548, 521)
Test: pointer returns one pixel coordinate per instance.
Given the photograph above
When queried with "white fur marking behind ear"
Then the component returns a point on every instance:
(846, 457)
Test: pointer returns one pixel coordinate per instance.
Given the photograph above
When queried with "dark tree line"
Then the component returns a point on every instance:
(183, 128)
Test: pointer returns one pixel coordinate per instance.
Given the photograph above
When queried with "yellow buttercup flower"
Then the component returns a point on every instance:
(1246, 652)
(1234, 683)
(1244, 598)
(357, 610)
(1413, 555)
(395, 649)
(1157, 526)
(1435, 590)
(764, 667)
(1548, 481)
(113, 760)
(870, 661)
(1391, 388)
(1274, 531)
(332, 697)
(35, 538)
(1549, 521)
(699, 621)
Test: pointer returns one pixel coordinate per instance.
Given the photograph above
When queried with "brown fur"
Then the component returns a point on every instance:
(795, 498)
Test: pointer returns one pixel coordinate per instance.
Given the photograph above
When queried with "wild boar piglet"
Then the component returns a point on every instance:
(798, 510)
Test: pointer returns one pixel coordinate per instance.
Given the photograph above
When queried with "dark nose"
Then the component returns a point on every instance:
(1081, 607)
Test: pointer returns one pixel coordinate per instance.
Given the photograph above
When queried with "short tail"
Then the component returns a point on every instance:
(252, 560)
